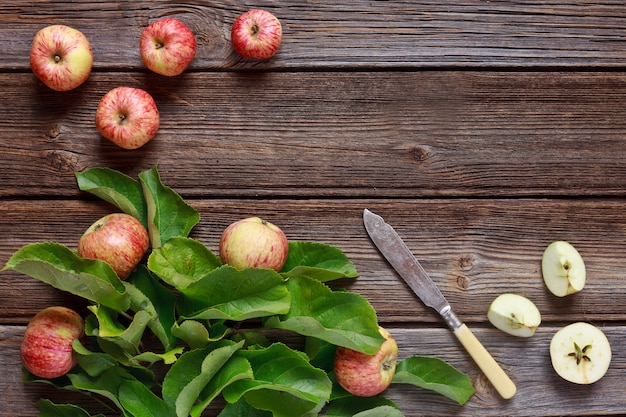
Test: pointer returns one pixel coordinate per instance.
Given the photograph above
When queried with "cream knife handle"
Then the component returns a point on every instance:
(484, 360)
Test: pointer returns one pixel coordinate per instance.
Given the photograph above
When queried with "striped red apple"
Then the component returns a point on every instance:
(367, 375)
(256, 34)
(46, 350)
(118, 239)
(61, 57)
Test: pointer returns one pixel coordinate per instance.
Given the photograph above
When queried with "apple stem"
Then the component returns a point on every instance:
(254, 29)
(57, 58)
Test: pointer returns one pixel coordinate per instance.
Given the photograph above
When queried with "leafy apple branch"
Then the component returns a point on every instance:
(195, 307)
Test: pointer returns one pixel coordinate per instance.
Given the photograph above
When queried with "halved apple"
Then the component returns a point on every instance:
(514, 314)
(580, 353)
(563, 269)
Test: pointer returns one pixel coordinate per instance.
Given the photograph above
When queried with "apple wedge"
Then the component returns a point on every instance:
(563, 269)
(514, 314)
(580, 353)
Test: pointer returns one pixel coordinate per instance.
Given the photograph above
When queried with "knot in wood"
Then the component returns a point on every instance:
(462, 282)
(466, 262)
(421, 153)
(53, 132)
(62, 161)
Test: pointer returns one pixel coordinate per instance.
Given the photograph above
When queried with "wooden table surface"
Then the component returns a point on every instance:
(482, 130)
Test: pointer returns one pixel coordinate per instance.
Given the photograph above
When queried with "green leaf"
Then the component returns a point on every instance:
(116, 188)
(436, 375)
(48, 409)
(341, 318)
(237, 368)
(320, 352)
(182, 261)
(230, 294)
(105, 384)
(58, 266)
(147, 294)
(242, 409)
(197, 335)
(168, 357)
(114, 338)
(363, 407)
(168, 214)
(284, 382)
(188, 377)
(139, 401)
(93, 363)
(319, 261)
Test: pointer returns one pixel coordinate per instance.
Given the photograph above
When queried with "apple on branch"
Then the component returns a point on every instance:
(167, 46)
(256, 34)
(118, 239)
(367, 375)
(61, 57)
(46, 349)
(128, 117)
(254, 243)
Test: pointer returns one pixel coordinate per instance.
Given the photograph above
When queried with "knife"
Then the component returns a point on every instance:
(402, 260)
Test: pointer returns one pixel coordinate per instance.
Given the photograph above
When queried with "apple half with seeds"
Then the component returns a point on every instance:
(563, 269)
(514, 314)
(580, 353)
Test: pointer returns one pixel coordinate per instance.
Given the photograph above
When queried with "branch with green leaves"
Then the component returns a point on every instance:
(195, 308)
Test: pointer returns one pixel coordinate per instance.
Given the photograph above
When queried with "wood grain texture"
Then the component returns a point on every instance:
(330, 34)
(540, 391)
(482, 131)
(473, 249)
(380, 134)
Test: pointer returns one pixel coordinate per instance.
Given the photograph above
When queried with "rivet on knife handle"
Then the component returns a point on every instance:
(402, 260)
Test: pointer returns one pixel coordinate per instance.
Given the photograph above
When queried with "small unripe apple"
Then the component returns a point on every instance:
(46, 349)
(254, 243)
(118, 239)
(367, 375)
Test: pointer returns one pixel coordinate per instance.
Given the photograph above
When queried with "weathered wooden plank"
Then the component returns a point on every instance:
(372, 134)
(474, 249)
(330, 34)
(540, 391)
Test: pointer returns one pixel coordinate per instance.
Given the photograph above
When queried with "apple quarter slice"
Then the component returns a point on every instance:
(514, 314)
(563, 269)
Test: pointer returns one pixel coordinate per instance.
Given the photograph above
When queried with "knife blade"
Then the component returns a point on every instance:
(400, 257)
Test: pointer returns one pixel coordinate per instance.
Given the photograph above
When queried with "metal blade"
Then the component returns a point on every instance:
(390, 244)
(400, 257)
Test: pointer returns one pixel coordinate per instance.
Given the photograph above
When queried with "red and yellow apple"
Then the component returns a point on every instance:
(367, 375)
(167, 46)
(256, 34)
(46, 350)
(118, 239)
(128, 117)
(254, 243)
(61, 57)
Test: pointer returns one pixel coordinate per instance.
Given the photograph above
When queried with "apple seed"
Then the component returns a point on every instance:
(580, 354)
